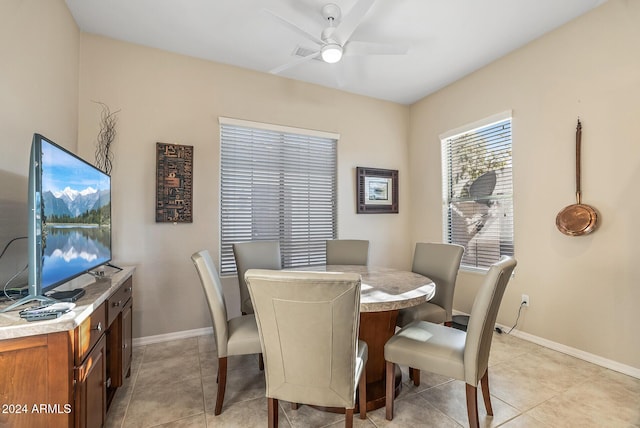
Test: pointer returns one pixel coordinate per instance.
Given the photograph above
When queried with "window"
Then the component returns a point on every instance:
(478, 190)
(277, 183)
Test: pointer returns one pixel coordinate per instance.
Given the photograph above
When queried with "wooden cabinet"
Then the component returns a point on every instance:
(67, 378)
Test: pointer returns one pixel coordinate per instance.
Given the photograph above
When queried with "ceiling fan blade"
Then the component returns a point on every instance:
(354, 48)
(350, 22)
(295, 62)
(295, 28)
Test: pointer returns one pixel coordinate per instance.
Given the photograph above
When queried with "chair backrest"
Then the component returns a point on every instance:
(441, 263)
(254, 255)
(483, 318)
(308, 324)
(348, 252)
(215, 299)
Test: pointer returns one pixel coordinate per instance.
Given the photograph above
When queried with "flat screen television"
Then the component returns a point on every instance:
(69, 208)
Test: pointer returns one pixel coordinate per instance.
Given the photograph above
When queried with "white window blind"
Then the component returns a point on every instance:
(478, 192)
(277, 185)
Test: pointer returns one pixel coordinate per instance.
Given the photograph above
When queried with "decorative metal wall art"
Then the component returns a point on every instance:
(174, 183)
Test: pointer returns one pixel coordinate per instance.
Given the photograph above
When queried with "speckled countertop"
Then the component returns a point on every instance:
(384, 289)
(97, 291)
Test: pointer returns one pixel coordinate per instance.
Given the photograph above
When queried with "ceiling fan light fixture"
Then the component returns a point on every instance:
(331, 53)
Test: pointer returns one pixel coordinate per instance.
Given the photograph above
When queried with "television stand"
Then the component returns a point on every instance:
(67, 296)
(27, 299)
(113, 266)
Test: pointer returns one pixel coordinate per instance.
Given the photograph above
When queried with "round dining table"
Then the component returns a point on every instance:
(383, 292)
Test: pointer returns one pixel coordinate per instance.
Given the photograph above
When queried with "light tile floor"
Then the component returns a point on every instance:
(173, 384)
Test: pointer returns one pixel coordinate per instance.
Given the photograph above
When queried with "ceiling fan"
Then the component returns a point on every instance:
(334, 41)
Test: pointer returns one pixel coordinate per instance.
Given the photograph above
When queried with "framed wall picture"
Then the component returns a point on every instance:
(376, 190)
(174, 183)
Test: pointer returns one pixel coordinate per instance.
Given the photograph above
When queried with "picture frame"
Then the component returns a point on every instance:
(376, 190)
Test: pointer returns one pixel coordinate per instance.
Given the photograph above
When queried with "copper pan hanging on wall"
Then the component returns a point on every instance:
(577, 219)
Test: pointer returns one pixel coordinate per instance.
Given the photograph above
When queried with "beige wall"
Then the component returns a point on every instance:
(38, 77)
(584, 291)
(39, 43)
(163, 97)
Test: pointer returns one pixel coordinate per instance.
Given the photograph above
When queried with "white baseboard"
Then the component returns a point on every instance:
(578, 353)
(586, 356)
(148, 340)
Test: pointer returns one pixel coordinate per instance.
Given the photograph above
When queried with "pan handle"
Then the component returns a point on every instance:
(578, 144)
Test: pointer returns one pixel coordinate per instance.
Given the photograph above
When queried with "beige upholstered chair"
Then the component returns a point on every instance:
(451, 352)
(441, 263)
(308, 323)
(254, 255)
(348, 252)
(237, 336)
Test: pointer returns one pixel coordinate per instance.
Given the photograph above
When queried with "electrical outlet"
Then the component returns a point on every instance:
(525, 300)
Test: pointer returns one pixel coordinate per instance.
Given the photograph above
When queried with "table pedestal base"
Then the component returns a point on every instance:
(376, 396)
(375, 329)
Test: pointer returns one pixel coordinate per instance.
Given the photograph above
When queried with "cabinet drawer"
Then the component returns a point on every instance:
(89, 332)
(118, 299)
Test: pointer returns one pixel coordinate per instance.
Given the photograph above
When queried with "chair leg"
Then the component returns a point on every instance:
(348, 418)
(260, 362)
(472, 406)
(484, 383)
(389, 394)
(414, 374)
(362, 391)
(272, 410)
(222, 384)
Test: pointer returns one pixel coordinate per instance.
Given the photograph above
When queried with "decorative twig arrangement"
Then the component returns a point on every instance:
(106, 136)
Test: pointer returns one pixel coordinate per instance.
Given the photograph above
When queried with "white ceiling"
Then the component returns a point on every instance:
(447, 39)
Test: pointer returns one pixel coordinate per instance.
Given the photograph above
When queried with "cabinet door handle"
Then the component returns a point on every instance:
(116, 304)
(98, 327)
(124, 346)
(128, 289)
(107, 383)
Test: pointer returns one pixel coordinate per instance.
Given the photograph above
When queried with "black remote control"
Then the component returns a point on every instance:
(42, 316)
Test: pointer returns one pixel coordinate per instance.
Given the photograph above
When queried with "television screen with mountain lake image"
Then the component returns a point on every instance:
(76, 216)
